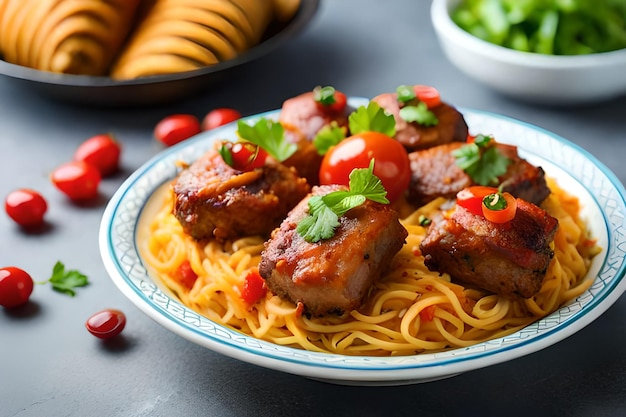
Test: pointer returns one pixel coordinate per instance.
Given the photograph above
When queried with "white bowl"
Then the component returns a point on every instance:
(533, 77)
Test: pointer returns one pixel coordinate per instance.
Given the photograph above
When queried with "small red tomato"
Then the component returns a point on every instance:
(106, 324)
(16, 286)
(77, 179)
(176, 128)
(391, 162)
(253, 287)
(429, 95)
(101, 151)
(26, 207)
(219, 117)
(247, 156)
(330, 100)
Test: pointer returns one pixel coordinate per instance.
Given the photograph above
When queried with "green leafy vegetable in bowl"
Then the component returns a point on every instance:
(554, 27)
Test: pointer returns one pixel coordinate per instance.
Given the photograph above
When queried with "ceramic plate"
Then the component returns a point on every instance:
(600, 192)
(160, 89)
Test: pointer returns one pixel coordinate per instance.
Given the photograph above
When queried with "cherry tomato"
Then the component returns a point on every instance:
(77, 179)
(26, 207)
(106, 324)
(330, 100)
(101, 151)
(427, 94)
(219, 117)
(246, 156)
(391, 164)
(471, 198)
(253, 287)
(186, 275)
(176, 128)
(16, 286)
(497, 211)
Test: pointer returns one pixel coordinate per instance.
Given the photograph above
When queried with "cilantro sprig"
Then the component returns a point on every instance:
(482, 160)
(325, 211)
(269, 135)
(372, 118)
(328, 136)
(65, 281)
(414, 110)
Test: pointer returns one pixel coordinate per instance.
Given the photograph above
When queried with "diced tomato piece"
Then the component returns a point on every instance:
(186, 275)
(253, 288)
(428, 313)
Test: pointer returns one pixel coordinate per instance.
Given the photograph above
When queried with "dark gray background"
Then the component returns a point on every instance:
(51, 366)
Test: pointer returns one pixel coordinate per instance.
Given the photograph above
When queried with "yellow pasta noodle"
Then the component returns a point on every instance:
(408, 311)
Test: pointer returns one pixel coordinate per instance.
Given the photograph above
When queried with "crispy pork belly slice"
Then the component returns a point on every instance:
(213, 200)
(332, 276)
(510, 259)
(451, 127)
(434, 173)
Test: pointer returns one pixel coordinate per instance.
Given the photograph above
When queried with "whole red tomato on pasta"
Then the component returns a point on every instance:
(391, 161)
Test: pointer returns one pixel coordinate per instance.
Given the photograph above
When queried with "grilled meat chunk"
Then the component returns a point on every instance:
(213, 200)
(334, 275)
(302, 118)
(510, 259)
(450, 128)
(303, 113)
(434, 173)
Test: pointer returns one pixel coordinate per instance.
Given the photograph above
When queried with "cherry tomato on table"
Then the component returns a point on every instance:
(219, 117)
(102, 151)
(77, 179)
(106, 324)
(26, 207)
(391, 163)
(16, 286)
(176, 128)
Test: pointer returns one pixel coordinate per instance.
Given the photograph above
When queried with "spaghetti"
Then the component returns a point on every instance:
(409, 311)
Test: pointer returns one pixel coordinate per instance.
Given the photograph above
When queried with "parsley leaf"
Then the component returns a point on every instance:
(324, 211)
(268, 135)
(405, 93)
(419, 114)
(372, 118)
(65, 281)
(482, 160)
(328, 136)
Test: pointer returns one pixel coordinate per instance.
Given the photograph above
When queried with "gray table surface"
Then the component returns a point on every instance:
(51, 366)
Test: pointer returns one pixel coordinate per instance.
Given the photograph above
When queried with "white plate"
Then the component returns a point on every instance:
(601, 194)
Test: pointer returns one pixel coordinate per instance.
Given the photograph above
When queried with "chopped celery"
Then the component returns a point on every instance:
(560, 27)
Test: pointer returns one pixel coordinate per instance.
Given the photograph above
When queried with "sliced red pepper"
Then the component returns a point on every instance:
(253, 288)
(185, 274)
(471, 198)
(499, 207)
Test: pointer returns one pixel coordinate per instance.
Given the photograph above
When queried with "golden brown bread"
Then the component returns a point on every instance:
(126, 39)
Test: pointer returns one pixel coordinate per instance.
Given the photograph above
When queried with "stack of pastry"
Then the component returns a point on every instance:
(127, 39)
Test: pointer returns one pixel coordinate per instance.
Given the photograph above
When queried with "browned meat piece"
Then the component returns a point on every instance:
(451, 127)
(334, 275)
(304, 114)
(214, 200)
(434, 173)
(302, 118)
(509, 259)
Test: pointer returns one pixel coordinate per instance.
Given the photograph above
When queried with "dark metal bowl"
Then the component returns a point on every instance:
(107, 92)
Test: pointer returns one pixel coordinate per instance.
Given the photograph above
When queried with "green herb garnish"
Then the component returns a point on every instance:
(419, 114)
(65, 281)
(324, 95)
(268, 135)
(372, 118)
(405, 93)
(482, 160)
(328, 136)
(324, 211)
